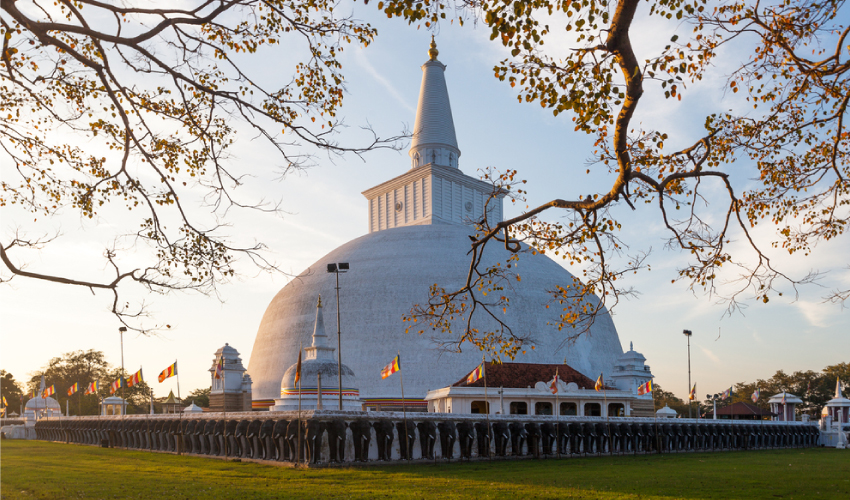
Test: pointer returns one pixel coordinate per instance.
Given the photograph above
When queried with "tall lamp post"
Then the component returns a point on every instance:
(337, 268)
(121, 331)
(688, 334)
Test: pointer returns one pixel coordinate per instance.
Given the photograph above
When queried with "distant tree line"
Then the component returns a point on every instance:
(814, 388)
(83, 367)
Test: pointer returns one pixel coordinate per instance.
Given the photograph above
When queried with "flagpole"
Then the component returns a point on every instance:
(655, 412)
(486, 403)
(557, 413)
(177, 374)
(403, 409)
(298, 451)
(607, 423)
(224, 404)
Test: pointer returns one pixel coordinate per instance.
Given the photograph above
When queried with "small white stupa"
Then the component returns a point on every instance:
(40, 407)
(666, 412)
(319, 384)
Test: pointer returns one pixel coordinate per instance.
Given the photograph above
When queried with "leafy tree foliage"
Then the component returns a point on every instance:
(82, 368)
(814, 388)
(200, 397)
(11, 390)
(132, 106)
(578, 59)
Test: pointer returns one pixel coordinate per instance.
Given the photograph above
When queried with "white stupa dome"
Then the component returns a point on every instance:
(39, 406)
(418, 237)
(391, 271)
(39, 403)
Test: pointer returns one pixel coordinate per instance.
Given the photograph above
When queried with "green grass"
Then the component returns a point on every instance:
(32, 469)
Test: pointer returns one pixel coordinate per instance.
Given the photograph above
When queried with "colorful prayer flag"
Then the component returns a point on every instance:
(394, 366)
(4, 401)
(554, 385)
(693, 393)
(219, 367)
(645, 388)
(48, 392)
(168, 372)
(599, 384)
(783, 397)
(727, 394)
(298, 368)
(756, 394)
(34, 393)
(135, 379)
(73, 389)
(93, 388)
(117, 385)
(473, 376)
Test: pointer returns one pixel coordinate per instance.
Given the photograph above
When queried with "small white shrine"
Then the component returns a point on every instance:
(193, 408)
(784, 406)
(231, 389)
(113, 405)
(319, 386)
(666, 412)
(835, 428)
(40, 407)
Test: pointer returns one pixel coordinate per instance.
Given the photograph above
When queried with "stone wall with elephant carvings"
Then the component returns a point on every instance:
(345, 437)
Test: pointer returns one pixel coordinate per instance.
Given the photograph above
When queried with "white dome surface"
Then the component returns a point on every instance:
(391, 271)
(39, 403)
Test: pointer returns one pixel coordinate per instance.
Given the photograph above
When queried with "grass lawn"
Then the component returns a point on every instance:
(34, 469)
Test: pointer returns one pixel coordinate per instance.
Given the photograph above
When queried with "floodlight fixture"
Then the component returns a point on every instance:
(336, 268)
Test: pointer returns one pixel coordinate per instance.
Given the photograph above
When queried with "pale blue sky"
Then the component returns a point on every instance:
(326, 209)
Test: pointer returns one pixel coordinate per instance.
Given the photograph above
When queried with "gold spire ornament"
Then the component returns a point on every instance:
(433, 52)
(320, 301)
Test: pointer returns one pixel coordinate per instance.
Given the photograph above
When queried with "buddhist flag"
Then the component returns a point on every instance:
(168, 372)
(298, 368)
(135, 379)
(783, 397)
(48, 392)
(473, 376)
(117, 385)
(693, 393)
(34, 393)
(726, 394)
(93, 388)
(4, 401)
(554, 385)
(73, 389)
(756, 394)
(395, 365)
(219, 367)
(599, 384)
(645, 388)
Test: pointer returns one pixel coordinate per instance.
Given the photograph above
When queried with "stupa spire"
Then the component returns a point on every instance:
(319, 337)
(434, 140)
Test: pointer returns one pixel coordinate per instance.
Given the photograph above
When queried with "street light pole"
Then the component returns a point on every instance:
(336, 268)
(688, 334)
(121, 331)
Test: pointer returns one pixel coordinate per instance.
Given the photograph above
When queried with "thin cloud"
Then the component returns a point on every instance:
(710, 355)
(363, 61)
(815, 313)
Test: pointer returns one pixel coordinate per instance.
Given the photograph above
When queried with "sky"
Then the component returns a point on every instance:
(324, 209)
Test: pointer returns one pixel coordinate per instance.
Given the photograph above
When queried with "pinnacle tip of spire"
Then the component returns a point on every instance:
(320, 301)
(433, 52)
